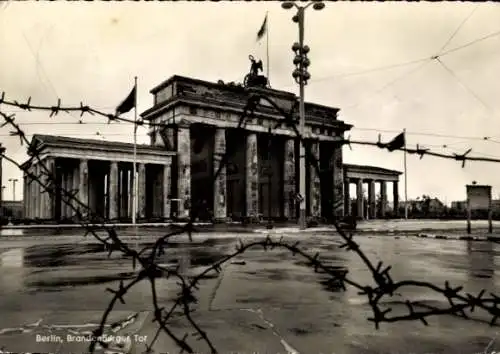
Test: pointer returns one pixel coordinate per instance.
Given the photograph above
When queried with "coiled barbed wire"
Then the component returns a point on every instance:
(459, 303)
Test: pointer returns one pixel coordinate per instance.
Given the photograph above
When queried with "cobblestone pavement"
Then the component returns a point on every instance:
(52, 294)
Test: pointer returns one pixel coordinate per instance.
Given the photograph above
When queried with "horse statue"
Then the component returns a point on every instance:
(253, 79)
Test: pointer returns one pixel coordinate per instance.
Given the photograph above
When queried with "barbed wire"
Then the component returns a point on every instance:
(114, 118)
(408, 132)
(421, 151)
(54, 110)
(458, 302)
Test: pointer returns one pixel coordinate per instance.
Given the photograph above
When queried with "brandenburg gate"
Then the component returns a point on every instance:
(193, 124)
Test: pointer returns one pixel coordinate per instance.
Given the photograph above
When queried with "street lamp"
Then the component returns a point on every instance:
(301, 76)
(13, 180)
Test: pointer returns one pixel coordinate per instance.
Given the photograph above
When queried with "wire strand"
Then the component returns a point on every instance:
(464, 86)
(458, 28)
(389, 84)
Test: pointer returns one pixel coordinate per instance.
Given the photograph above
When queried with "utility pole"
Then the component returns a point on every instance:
(301, 76)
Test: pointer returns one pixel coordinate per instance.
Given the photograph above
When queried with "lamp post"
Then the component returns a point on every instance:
(301, 76)
(14, 181)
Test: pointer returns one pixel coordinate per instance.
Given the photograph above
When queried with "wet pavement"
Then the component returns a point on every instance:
(53, 293)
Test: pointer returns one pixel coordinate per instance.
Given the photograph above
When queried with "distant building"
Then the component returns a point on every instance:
(12, 209)
(459, 205)
(436, 206)
(418, 206)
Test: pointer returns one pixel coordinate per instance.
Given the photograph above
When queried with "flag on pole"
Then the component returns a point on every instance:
(128, 103)
(397, 143)
(262, 30)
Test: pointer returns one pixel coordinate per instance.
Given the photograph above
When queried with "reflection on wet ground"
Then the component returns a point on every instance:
(306, 305)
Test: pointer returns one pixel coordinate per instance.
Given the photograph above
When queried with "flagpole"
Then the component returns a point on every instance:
(134, 173)
(406, 178)
(267, 46)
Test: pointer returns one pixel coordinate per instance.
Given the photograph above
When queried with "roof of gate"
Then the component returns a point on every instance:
(56, 140)
(371, 170)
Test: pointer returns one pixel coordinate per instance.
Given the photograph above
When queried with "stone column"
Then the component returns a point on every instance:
(347, 197)
(141, 191)
(252, 175)
(62, 192)
(83, 187)
(42, 172)
(25, 195)
(31, 192)
(36, 187)
(113, 196)
(315, 183)
(383, 198)
(289, 180)
(184, 171)
(372, 198)
(75, 184)
(360, 200)
(32, 195)
(338, 182)
(67, 189)
(167, 185)
(395, 192)
(220, 186)
(50, 196)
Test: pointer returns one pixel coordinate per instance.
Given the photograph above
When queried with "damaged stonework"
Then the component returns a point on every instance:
(220, 199)
(338, 183)
(184, 171)
(252, 176)
(315, 190)
(289, 180)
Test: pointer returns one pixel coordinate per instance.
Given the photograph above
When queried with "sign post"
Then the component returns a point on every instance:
(479, 199)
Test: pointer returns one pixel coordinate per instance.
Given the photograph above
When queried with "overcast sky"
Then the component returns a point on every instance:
(91, 52)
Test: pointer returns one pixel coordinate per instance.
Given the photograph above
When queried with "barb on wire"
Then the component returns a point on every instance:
(383, 287)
